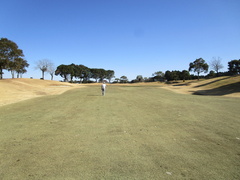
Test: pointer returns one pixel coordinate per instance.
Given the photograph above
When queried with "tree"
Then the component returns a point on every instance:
(95, 74)
(21, 65)
(168, 75)
(43, 65)
(8, 53)
(123, 79)
(117, 79)
(198, 66)
(211, 74)
(102, 74)
(72, 70)
(51, 70)
(82, 72)
(216, 64)
(109, 75)
(159, 76)
(139, 78)
(63, 71)
(234, 67)
(98, 74)
(175, 75)
(184, 75)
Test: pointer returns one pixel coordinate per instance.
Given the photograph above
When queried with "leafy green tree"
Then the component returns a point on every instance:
(109, 75)
(211, 74)
(123, 79)
(21, 65)
(198, 66)
(175, 75)
(168, 75)
(63, 71)
(82, 72)
(159, 75)
(234, 67)
(184, 75)
(98, 74)
(95, 74)
(102, 74)
(72, 70)
(12, 67)
(117, 79)
(8, 53)
(139, 78)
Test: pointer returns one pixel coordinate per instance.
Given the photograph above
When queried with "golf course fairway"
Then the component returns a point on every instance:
(134, 132)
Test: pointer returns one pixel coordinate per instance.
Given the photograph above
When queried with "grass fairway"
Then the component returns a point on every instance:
(132, 133)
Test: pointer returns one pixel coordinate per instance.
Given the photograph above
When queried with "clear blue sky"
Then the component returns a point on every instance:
(131, 37)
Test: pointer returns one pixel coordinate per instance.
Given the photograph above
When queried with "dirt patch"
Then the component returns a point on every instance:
(15, 90)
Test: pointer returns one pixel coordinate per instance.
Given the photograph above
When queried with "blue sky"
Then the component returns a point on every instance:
(131, 37)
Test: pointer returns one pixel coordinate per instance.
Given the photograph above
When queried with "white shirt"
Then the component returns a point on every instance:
(104, 86)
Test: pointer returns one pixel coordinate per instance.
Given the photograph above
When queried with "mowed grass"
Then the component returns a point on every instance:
(131, 133)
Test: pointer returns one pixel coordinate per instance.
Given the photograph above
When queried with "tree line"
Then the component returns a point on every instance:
(198, 66)
(12, 60)
(83, 73)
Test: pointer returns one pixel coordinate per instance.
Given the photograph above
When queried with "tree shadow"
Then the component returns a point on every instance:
(183, 84)
(93, 95)
(220, 91)
(211, 82)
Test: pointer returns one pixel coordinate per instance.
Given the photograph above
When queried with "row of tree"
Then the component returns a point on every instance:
(11, 58)
(83, 73)
(198, 66)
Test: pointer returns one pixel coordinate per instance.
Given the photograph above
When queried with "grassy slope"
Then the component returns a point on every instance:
(220, 86)
(15, 90)
(131, 133)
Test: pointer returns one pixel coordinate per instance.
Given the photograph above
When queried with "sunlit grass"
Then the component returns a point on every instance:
(140, 132)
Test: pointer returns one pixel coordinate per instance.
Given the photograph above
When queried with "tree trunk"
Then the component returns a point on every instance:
(43, 75)
(12, 72)
(1, 73)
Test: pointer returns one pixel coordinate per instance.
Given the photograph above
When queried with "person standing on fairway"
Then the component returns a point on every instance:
(103, 87)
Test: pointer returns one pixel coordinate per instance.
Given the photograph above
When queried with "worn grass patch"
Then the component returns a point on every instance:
(131, 133)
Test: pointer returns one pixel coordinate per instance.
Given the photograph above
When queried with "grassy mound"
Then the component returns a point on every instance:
(220, 86)
(14, 90)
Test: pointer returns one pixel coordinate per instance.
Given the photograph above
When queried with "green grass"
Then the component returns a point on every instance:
(131, 133)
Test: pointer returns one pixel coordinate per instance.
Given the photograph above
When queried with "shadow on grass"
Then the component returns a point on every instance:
(185, 84)
(211, 82)
(220, 91)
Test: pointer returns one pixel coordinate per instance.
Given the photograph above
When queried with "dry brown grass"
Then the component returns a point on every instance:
(228, 86)
(14, 90)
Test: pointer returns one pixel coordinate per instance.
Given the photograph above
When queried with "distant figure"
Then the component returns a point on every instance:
(103, 87)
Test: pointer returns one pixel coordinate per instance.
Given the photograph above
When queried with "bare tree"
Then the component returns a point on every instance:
(43, 65)
(51, 70)
(216, 64)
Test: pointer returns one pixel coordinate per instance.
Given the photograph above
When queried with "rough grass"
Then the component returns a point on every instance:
(131, 133)
(219, 86)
